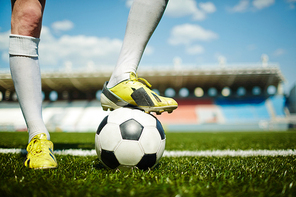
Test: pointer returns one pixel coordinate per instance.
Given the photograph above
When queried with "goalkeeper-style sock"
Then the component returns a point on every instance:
(143, 18)
(25, 72)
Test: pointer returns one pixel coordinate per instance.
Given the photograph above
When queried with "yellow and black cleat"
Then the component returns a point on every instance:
(40, 153)
(136, 93)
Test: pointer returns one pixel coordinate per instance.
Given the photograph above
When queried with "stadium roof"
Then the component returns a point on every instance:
(235, 76)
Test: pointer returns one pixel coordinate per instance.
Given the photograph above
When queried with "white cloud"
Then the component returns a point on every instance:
(149, 50)
(64, 25)
(260, 4)
(220, 58)
(4, 45)
(181, 8)
(78, 49)
(5, 56)
(242, 6)
(188, 33)
(208, 7)
(129, 3)
(4, 40)
(279, 52)
(196, 49)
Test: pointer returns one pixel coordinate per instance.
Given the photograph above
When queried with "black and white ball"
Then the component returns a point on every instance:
(128, 138)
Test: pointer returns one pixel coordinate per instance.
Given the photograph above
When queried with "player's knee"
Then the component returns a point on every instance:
(27, 21)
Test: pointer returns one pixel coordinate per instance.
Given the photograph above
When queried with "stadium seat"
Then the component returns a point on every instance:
(278, 103)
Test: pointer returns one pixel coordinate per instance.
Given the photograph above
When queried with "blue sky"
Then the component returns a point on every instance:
(85, 34)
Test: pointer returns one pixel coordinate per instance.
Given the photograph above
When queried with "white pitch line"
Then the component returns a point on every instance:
(231, 153)
(206, 153)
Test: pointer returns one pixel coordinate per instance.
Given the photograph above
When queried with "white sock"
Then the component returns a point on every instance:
(143, 18)
(25, 72)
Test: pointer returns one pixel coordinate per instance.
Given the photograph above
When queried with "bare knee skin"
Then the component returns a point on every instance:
(26, 17)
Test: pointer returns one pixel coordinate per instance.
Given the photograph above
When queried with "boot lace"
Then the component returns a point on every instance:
(134, 77)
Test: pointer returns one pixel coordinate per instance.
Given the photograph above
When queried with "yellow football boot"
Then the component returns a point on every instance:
(40, 153)
(135, 92)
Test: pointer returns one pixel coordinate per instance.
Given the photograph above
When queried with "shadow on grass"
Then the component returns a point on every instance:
(98, 165)
(61, 146)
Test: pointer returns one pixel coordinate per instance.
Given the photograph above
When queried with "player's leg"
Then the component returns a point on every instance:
(124, 87)
(143, 18)
(26, 20)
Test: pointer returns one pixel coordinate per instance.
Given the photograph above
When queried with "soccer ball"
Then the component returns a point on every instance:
(128, 138)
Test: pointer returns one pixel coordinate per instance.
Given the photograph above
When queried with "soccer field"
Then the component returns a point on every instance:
(200, 175)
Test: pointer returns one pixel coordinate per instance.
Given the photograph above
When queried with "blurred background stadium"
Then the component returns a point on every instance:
(80, 42)
(224, 97)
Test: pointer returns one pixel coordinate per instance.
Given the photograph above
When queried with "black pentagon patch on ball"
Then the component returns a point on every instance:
(160, 129)
(131, 130)
(147, 161)
(109, 159)
(102, 124)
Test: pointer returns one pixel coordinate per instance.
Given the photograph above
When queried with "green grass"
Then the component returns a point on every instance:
(175, 141)
(182, 176)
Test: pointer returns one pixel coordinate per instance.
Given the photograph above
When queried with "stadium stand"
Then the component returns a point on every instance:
(279, 105)
(292, 100)
(188, 112)
(243, 110)
(11, 118)
(231, 98)
(91, 117)
(291, 108)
